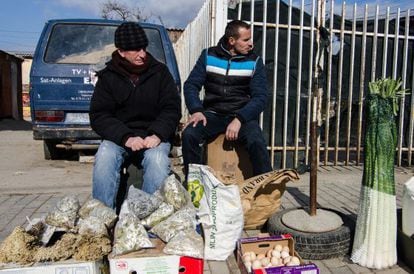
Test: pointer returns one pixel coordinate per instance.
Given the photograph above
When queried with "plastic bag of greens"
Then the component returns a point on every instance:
(105, 214)
(159, 215)
(141, 203)
(93, 226)
(174, 192)
(186, 243)
(180, 220)
(88, 206)
(130, 235)
(65, 213)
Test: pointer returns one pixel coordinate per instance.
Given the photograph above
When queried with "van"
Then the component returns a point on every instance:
(62, 78)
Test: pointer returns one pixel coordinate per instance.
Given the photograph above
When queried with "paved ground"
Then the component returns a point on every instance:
(338, 188)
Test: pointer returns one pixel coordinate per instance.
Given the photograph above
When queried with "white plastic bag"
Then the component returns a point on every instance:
(220, 213)
(408, 208)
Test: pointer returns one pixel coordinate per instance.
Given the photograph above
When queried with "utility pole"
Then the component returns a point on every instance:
(317, 91)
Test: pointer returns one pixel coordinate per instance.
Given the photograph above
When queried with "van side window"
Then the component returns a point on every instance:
(91, 44)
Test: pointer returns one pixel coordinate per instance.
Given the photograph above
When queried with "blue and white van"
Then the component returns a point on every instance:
(62, 77)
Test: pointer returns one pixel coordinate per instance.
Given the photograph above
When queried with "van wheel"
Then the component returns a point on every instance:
(50, 150)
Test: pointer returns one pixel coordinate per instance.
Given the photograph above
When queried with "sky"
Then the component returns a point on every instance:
(21, 21)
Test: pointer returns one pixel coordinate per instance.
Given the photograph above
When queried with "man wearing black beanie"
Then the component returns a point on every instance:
(135, 108)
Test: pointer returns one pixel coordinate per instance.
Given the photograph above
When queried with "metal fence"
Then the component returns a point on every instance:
(373, 43)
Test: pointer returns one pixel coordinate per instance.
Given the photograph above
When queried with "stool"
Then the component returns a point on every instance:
(229, 158)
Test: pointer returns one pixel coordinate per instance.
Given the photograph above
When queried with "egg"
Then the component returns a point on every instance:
(250, 254)
(276, 253)
(260, 256)
(284, 254)
(247, 258)
(295, 260)
(285, 248)
(278, 248)
(265, 261)
(291, 264)
(286, 260)
(269, 253)
(248, 266)
(256, 264)
(274, 261)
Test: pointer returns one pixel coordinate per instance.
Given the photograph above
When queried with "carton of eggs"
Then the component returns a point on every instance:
(277, 256)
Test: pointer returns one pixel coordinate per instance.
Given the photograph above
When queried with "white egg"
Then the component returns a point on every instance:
(276, 253)
(286, 260)
(265, 261)
(274, 261)
(285, 248)
(278, 248)
(248, 266)
(260, 256)
(251, 254)
(269, 253)
(247, 258)
(284, 254)
(291, 264)
(295, 260)
(256, 264)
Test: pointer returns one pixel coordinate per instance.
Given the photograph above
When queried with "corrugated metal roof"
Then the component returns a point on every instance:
(22, 54)
(13, 55)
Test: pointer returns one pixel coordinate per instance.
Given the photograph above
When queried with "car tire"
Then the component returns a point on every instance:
(316, 246)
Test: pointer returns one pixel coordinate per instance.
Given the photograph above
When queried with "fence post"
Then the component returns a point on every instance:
(218, 19)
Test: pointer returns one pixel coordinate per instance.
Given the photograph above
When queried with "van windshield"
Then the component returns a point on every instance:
(91, 44)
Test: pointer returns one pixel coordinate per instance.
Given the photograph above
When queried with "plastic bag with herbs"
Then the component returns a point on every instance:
(130, 235)
(159, 215)
(141, 203)
(105, 214)
(180, 220)
(88, 206)
(93, 226)
(174, 192)
(186, 243)
(65, 213)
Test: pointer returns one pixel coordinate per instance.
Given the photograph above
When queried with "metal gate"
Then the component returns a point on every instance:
(372, 43)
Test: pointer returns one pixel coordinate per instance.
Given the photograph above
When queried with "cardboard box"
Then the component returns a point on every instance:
(153, 260)
(262, 244)
(65, 267)
(229, 158)
(302, 269)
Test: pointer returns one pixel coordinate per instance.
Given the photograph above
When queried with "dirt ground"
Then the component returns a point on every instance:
(23, 168)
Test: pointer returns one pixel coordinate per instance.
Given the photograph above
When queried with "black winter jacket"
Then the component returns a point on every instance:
(120, 109)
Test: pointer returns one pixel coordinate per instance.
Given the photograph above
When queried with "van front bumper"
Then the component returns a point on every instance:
(64, 133)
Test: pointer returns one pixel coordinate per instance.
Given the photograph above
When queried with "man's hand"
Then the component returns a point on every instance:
(195, 118)
(232, 131)
(135, 143)
(152, 141)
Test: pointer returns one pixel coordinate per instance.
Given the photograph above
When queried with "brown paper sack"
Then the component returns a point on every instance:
(261, 195)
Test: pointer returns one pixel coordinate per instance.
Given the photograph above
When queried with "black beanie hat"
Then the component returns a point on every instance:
(130, 36)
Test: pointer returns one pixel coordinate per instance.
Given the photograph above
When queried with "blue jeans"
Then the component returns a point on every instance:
(250, 136)
(107, 169)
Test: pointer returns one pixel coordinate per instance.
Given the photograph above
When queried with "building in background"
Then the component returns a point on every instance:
(26, 66)
(10, 86)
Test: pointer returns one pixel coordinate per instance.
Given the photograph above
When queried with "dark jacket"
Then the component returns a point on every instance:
(234, 85)
(120, 109)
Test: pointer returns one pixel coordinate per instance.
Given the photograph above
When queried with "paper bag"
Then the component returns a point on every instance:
(261, 195)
